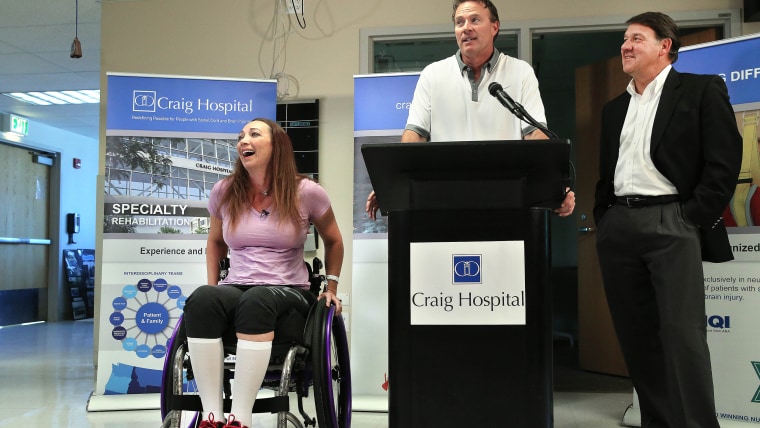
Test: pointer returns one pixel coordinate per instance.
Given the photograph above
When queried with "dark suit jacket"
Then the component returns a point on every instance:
(695, 144)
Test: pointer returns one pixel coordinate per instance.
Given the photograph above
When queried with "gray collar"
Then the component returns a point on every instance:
(488, 65)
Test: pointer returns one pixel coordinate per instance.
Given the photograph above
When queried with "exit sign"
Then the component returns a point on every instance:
(19, 125)
(15, 124)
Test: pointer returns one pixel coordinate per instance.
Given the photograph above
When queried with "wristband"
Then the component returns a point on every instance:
(332, 278)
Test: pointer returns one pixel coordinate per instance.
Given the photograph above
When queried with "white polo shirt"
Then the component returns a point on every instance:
(448, 107)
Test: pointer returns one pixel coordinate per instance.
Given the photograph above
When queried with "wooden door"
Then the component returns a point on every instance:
(595, 84)
(24, 208)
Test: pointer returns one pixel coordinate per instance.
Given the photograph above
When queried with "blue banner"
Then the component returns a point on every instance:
(736, 60)
(731, 295)
(150, 103)
(156, 221)
(381, 101)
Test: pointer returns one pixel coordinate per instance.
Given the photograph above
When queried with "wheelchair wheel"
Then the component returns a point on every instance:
(177, 380)
(331, 368)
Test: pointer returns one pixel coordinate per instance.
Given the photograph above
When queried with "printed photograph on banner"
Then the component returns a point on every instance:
(162, 184)
(363, 186)
(744, 208)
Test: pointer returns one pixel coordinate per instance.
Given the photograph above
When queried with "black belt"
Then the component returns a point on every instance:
(637, 201)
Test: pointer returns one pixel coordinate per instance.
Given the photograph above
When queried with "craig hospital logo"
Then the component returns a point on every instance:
(145, 101)
(466, 269)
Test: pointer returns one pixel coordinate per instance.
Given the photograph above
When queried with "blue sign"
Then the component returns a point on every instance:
(736, 60)
(383, 100)
(466, 269)
(182, 104)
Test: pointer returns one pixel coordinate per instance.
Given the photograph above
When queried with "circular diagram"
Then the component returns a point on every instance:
(142, 316)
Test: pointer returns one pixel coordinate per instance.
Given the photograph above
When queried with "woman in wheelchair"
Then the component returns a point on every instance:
(259, 216)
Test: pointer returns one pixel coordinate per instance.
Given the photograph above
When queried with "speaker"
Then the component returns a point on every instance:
(751, 10)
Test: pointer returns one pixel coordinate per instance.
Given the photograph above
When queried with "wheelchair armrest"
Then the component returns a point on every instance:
(315, 278)
(224, 268)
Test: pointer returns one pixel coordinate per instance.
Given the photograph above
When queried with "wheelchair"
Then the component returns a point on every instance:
(318, 361)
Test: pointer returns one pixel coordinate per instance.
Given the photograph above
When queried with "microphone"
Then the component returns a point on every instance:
(264, 213)
(498, 92)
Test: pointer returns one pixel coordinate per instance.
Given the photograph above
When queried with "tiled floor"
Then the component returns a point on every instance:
(47, 375)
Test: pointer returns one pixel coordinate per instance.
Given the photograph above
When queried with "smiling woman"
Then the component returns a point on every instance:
(260, 216)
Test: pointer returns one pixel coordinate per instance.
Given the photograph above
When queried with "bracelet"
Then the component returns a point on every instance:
(332, 278)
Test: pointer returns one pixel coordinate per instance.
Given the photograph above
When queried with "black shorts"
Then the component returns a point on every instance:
(224, 310)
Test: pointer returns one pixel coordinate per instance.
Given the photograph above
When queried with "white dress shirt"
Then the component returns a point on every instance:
(635, 173)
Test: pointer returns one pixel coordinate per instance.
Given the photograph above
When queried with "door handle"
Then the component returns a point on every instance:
(586, 229)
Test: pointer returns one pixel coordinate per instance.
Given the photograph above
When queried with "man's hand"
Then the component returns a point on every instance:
(371, 206)
(568, 205)
(537, 134)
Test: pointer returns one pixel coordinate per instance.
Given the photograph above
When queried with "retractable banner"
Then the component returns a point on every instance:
(732, 289)
(169, 139)
(381, 107)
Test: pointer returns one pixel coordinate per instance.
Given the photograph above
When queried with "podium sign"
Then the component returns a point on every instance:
(467, 283)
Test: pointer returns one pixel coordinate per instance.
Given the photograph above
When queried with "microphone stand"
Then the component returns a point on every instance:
(526, 117)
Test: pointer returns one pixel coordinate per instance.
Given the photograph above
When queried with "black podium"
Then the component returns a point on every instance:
(450, 370)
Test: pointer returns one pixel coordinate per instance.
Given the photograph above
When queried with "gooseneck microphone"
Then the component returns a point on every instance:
(517, 109)
(497, 91)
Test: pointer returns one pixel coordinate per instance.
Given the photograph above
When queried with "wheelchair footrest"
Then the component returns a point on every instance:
(262, 405)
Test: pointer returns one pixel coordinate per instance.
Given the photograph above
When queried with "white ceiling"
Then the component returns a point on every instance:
(35, 43)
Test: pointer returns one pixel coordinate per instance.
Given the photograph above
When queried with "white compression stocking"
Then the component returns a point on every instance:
(250, 368)
(207, 356)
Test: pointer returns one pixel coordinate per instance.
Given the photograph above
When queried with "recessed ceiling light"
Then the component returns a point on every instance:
(57, 97)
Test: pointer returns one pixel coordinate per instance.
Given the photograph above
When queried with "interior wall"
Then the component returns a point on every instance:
(231, 38)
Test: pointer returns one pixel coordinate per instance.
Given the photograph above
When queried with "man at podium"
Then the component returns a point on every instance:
(452, 102)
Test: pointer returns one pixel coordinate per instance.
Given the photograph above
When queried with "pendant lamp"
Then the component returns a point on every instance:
(76, 47)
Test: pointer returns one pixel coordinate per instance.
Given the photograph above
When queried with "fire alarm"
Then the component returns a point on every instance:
(77, 163)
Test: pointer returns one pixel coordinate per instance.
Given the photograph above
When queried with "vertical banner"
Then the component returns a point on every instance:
(732, 289)
(169, 139)
(381, 107)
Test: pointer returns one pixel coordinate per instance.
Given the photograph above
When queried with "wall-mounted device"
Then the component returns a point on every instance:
(72, 226)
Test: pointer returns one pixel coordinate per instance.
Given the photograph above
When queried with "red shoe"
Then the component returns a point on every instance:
(210, 423)
(232, 423)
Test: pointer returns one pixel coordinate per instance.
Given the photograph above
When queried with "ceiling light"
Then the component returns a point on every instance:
(89, 97)
(57, 97)
(46, 97)
(76, 47)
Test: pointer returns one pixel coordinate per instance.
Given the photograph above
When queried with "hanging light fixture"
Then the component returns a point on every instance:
(76, 47)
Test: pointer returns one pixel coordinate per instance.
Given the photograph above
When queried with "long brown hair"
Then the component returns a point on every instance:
(283, 186)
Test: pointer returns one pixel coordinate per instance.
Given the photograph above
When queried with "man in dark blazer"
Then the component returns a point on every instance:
(670, 154)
